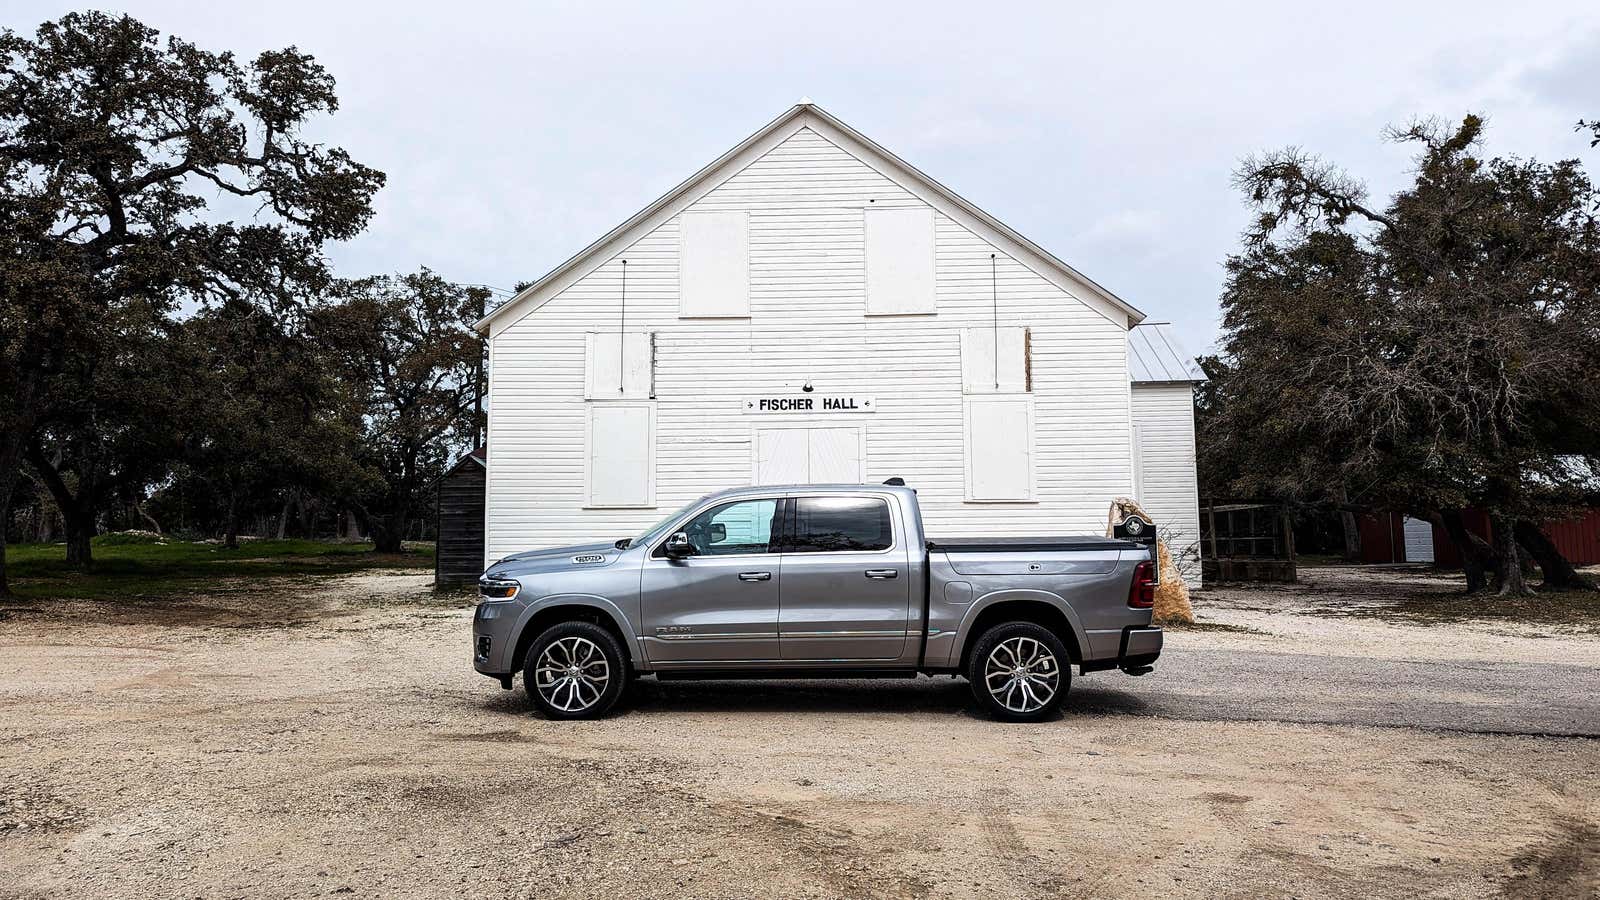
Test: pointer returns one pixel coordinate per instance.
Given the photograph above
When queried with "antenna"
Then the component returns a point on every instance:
(622, 333)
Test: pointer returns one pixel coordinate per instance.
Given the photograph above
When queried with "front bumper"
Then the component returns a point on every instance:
(494, 631)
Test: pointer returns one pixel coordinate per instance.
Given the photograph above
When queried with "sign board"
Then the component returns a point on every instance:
(810, 403)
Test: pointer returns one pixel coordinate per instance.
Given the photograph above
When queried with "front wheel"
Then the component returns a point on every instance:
(575, 670)
(1019, 672)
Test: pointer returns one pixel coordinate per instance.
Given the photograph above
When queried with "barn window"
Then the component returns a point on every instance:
(610, 377)
(714, 264)
(621, 454)
(900, 257)
(999, 444)
(979, 372)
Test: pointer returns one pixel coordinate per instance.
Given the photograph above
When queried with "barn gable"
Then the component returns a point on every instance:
(865, 155)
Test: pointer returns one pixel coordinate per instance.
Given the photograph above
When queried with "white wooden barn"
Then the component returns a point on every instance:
(811, 308)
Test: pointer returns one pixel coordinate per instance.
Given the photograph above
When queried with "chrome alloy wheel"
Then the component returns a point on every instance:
(1022, 674)
(572, 674)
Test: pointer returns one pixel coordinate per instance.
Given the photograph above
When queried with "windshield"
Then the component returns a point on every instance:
(656, 530)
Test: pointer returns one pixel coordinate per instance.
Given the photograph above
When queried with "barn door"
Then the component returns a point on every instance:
(835, 455)
(808, 455)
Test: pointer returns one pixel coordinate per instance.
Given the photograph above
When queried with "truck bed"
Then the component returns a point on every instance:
(1029, 544)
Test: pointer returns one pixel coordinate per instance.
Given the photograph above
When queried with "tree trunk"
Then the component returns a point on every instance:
(388, 532)
(139, 508)
(1477, 557)
(283, 517)
(77, 513)
(230, 535)
(1351, 528)
(80, 532)
(1559, 575)
(1512, 583)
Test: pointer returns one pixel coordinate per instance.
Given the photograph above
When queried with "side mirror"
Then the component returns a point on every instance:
(678, 546)
(719, 532)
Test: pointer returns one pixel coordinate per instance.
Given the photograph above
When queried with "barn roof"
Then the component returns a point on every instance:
(806, 114)
(1156, 356)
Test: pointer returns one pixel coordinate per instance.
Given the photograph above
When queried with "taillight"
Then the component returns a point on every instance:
(1142, 593)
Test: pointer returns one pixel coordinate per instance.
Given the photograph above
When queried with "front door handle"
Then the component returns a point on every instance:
(755, 576)
(882, 573)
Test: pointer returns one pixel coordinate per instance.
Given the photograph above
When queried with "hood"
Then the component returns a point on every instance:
(554, 559)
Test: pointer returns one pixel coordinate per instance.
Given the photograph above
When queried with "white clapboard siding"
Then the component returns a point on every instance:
(1163, 418)
(805, 200)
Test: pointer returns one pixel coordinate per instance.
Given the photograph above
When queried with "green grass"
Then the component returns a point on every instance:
(124, 570)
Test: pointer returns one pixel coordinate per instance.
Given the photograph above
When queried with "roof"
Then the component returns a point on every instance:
(479, 456)
(1156, 356)
(802, 115)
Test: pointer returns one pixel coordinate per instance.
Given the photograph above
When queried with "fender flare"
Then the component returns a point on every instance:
(1007, 595)
(592, 601)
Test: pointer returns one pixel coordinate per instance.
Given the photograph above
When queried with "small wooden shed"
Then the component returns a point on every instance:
(458, 556)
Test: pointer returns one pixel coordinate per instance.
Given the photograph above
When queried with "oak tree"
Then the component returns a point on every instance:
(137, 171)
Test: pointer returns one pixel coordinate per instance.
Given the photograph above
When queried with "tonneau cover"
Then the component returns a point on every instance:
(1029, 544)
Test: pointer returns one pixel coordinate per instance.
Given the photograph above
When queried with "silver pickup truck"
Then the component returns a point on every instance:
(813, 581)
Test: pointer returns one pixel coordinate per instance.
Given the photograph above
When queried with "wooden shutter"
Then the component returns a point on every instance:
(999, 444)
(978, 372)
(621, 454)
(714, 264)
(900, 260)
(606, 379)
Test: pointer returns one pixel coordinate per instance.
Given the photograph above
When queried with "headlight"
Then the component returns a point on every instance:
(498, 588)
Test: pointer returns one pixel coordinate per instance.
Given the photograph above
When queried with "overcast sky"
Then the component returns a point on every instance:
(513, 134)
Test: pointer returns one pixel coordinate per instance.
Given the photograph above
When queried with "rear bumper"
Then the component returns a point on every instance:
(1138, 647)
(1141, 643)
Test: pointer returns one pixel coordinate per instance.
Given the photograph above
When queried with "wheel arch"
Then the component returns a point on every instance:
(572, 608)
(1042, 608)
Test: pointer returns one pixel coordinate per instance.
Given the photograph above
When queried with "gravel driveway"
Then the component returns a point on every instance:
(328, 737)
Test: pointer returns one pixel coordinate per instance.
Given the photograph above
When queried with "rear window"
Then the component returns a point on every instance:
(836, 524)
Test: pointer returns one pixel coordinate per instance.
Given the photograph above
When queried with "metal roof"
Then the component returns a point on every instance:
(1156, 356)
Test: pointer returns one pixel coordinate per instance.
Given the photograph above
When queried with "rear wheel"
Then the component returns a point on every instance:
(575, 670)
(1019, 672)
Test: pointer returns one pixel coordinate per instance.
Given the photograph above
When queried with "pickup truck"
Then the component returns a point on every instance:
(813, 581)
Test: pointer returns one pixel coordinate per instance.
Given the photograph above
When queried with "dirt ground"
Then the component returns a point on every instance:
(328, 736)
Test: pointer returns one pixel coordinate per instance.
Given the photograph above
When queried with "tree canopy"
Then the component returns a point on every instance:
(1425, 355)
(113, 144)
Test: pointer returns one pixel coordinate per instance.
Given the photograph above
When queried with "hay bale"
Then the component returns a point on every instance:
(1172, 595)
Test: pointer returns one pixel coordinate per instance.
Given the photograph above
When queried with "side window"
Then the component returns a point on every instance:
(743, 526)
(829, 524)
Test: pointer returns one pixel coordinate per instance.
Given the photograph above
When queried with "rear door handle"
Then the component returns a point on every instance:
(755, 576)
(882, 573)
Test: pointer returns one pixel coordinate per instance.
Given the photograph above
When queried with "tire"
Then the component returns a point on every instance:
(575, 670)
(1011, 667)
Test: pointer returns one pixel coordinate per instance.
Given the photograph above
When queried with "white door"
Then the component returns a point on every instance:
(835, 455)
(808, 456)
(1419, 540)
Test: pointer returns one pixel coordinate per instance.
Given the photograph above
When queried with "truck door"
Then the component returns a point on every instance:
(719, 604)
(845, 588)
